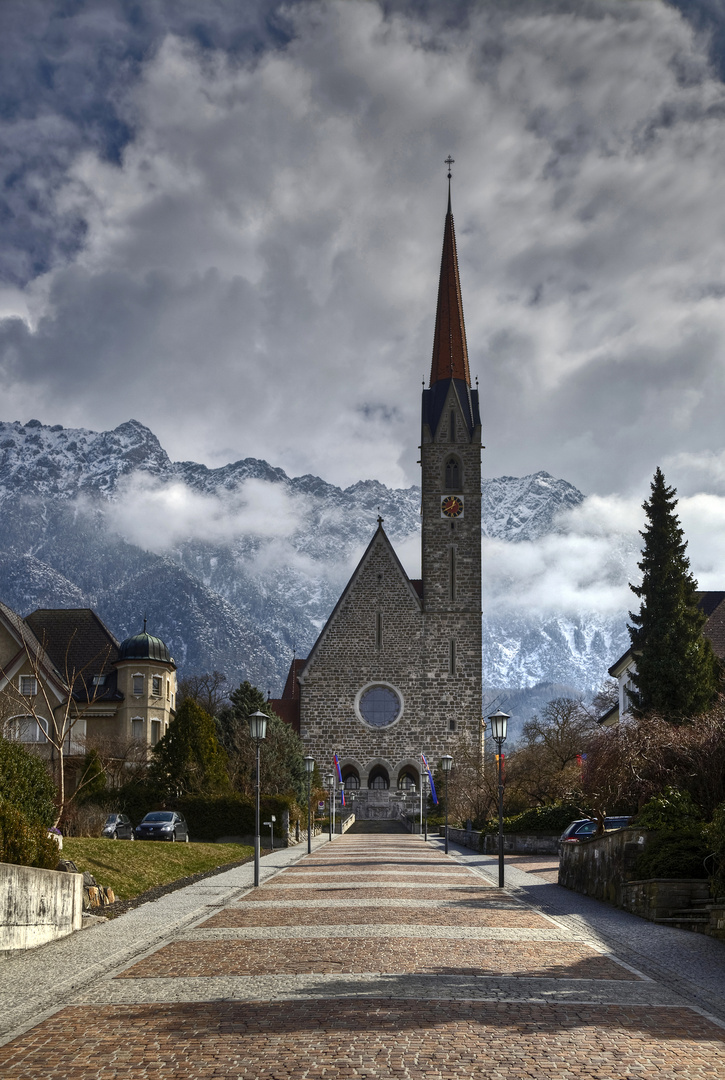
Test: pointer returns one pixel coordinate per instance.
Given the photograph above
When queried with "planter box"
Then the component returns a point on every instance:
(38, 905)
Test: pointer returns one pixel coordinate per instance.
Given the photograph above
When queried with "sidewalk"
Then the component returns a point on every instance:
(377, 956)
(35, 983)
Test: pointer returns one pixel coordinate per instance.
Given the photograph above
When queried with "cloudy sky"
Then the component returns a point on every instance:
(225, 219)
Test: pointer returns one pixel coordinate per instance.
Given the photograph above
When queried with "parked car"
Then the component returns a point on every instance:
(586, 827)
(118, 827)
(163, 825)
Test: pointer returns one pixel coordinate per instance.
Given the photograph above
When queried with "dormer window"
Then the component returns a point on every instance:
(453, 474)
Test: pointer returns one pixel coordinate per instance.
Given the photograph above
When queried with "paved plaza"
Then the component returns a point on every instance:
(375, 956)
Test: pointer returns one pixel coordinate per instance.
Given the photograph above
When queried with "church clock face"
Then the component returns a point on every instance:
(451, 506)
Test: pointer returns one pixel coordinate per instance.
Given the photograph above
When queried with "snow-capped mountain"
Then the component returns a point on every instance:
(237, 566)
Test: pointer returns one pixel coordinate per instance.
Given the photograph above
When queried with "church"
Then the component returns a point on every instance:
(396, 670)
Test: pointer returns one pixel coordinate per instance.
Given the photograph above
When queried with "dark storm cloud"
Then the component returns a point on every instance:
(225, 220)
(64, 71)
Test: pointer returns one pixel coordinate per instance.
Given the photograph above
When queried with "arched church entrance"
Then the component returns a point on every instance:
(350, 778)
(408, 779)
(378, 779)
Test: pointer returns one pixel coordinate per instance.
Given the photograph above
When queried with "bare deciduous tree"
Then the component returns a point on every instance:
(75, 694)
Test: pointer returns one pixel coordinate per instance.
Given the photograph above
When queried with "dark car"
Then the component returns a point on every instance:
(118, 827)
(163, 825)
(586, 827)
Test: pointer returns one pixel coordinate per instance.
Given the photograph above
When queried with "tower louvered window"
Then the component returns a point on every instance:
(453, 474)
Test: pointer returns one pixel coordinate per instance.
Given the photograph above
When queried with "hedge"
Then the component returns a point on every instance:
(209, 817)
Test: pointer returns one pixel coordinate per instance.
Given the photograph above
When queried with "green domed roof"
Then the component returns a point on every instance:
(144, 647)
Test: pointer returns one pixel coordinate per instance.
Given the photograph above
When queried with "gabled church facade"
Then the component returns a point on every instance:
(396, 670)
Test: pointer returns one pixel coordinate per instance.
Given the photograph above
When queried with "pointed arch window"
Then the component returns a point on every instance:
(453, 473)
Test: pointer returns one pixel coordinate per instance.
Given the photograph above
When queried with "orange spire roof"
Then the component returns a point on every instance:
(450, 352)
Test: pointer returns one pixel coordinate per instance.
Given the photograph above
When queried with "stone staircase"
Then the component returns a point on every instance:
(696, 916)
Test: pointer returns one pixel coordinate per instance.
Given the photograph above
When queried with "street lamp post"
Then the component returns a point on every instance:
(258, 731)
(331, 802)
(499, 724)
(424, 787)
(446, 762)
(309, 767)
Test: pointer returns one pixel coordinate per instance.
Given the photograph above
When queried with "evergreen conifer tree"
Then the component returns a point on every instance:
(282, 760)
(189, 760)
(677, 672)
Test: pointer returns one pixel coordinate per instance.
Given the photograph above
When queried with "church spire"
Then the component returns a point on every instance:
(450, 352)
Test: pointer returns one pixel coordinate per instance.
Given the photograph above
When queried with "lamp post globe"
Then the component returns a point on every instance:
(446, 764)
(499, 729)
(309, 769)
(258, 730)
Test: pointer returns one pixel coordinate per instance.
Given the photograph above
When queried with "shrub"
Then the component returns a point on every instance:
(26, 784)
(539, 819)
(674, 855)
(84, 819)
(25, 842)
(671, 811)
(715, 834)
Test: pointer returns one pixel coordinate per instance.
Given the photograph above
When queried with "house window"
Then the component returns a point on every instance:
(168, 690)
(157, 686)
(137, 727)
(452, 656)
(138, 685)
(99, 680)
(26, 729)
(453, 474)
(452, 725)
(28, 685)
(155, 731)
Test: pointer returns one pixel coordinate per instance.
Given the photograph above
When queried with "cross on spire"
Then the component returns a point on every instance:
(449, 161)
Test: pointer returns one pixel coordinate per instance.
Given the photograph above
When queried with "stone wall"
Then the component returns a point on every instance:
(600, 866)
(513, 843)
(662, 898)
(38, 905)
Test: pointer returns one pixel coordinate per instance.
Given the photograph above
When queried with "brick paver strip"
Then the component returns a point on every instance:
(375, 916)
(440, 1040)
(545, 959)
(339, 892)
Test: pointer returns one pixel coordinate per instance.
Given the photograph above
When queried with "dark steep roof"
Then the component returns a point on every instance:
(74, 639)
(144, 646)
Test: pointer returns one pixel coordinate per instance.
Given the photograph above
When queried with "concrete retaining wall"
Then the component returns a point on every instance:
(38, 905)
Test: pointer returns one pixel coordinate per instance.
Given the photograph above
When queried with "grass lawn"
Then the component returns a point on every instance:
(132, 867)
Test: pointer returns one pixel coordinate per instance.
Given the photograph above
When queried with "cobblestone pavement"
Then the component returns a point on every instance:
(379, 956)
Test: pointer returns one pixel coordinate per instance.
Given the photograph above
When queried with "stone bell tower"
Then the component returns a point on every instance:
(451, 512)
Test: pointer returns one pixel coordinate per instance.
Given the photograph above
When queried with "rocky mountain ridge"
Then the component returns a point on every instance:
(87, 519)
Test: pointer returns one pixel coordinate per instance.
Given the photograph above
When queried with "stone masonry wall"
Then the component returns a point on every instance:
(448, 696)
(347, 659)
